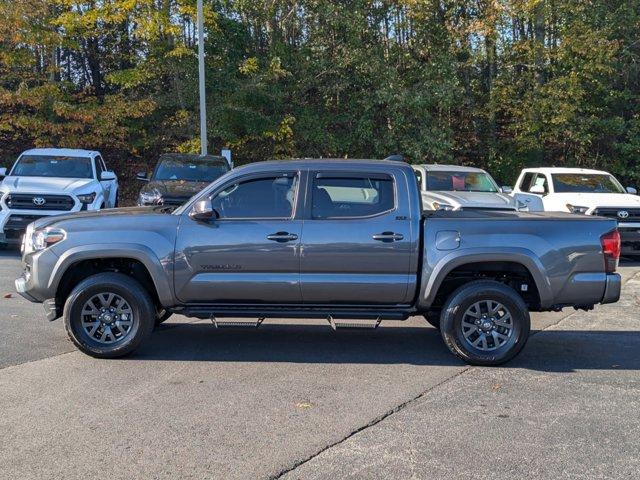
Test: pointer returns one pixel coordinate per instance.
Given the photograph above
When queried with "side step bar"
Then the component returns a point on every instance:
(208, 312)
(364, 324)
(236, 323)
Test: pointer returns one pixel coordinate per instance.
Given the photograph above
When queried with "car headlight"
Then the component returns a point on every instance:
(45, 237)
(441, 206)
(152, 197)
(576, 209)
(87, 198)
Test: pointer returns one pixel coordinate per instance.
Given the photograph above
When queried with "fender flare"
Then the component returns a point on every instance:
(522, 256)
(139, 252)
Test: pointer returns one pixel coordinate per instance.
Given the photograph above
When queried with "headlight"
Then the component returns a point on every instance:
(153, 197)
(46, 237)
(576, 209)
(87, 198)
(441, 206)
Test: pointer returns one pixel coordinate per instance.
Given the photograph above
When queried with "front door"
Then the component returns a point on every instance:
(251, 253)
(357, 244)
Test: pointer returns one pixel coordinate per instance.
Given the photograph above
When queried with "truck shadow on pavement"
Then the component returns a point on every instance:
(548, 351)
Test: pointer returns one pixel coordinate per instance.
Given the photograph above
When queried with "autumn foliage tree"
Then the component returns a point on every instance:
(495, 83)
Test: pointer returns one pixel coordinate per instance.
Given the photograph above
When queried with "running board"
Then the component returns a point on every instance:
(358, 324)
(262, 311)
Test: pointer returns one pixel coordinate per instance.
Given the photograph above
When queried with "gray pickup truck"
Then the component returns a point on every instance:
(330, 239)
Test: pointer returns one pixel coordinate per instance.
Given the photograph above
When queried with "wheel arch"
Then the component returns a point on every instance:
(523, 258)
(141, 254)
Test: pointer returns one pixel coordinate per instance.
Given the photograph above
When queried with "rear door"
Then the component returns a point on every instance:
(251, 254)
(357, 242)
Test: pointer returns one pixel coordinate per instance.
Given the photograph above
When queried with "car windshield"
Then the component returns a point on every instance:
(586, 183)
(53, 166)
(461, 181)
(190, 171)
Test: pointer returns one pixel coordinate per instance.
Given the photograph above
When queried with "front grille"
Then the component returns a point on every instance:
(16, 225)
(174, 201)
(33, 201)
(614, 212)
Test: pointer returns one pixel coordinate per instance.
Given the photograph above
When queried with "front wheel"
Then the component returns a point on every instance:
(108, 315)
(485, 323)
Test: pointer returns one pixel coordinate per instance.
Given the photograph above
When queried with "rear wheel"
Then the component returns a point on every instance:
(485, 323)
(108, 315)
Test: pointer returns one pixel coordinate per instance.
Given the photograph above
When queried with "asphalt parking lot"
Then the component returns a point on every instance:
(291, 401)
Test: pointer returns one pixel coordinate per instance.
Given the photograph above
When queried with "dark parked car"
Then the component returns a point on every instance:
(179, 176)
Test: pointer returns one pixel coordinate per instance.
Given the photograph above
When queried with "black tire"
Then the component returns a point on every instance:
(433, 318)
(115, 204)
(463, 305)
(138, 299)
(162, 315)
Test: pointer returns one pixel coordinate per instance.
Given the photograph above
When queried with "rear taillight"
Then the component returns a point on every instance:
(611, 249)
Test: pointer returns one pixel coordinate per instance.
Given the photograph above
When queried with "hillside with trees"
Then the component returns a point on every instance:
(495, 83)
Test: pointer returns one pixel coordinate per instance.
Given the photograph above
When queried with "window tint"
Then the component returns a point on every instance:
(525, 185)
(335, 197)
(267, 197)
(460, 181)
(99, 168)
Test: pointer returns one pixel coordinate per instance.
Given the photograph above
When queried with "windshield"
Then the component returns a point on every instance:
(586, 183)
(53, 166)
(460, 181)
(199, 171)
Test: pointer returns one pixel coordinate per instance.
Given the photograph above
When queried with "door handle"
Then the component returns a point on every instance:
(282, 237)
(388, 237)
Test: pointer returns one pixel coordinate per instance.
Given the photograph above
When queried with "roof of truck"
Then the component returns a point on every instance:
(323, 163)
(61, 152)
(434, 167)
(549, 170)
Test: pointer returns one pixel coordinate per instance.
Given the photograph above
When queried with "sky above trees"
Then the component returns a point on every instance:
(497, 84)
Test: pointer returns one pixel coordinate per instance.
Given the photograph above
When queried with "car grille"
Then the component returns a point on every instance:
(16, 225)
(613, 212)
(33, 201)
(174, 201)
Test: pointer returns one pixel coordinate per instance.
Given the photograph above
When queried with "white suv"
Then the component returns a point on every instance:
(587, 192)
(52, 181)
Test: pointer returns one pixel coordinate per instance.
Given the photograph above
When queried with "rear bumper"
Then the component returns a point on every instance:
(612, 288)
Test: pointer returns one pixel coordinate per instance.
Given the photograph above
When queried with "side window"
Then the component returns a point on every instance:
(525, 184)
(265, 197)
(99, 169)
(541, 180)
(351, 196)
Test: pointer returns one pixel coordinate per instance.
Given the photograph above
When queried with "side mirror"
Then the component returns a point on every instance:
(630, 190)
(537, 189)
(202, 211)
(506, 189)
(107, 175)
(3, 172)
(142, 176)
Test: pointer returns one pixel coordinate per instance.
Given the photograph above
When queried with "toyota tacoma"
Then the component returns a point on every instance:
(333, 239)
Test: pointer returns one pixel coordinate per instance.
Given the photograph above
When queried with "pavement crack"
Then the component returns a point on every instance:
(372, 423)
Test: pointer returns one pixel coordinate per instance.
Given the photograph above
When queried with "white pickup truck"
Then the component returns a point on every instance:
(585, 192)
(52, 181)
(454, 187)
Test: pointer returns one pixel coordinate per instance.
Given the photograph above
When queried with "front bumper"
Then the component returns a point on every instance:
(612, 288)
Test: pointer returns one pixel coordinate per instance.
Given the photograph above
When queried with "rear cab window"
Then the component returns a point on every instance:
(347, 195)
